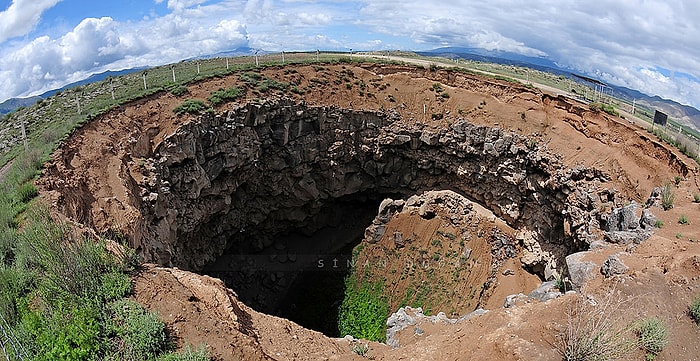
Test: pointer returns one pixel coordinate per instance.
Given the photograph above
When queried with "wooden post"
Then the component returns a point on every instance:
(111, 87)
(172, 68)
(24, 138)
(144, 81)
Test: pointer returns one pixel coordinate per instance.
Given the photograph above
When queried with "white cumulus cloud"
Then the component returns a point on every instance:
(22, 16)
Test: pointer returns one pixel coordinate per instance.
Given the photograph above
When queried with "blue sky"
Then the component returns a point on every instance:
(649, 45)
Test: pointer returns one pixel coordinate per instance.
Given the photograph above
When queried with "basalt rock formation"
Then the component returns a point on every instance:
(260, 169)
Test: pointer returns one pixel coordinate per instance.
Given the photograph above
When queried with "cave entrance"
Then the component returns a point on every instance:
(299, 274)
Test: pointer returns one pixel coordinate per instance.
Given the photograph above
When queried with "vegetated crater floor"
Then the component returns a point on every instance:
(491, 185)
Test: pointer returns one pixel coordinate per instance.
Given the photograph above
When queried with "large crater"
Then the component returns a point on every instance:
(274, 186)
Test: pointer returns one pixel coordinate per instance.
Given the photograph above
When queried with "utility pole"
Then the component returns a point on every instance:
(172, 68)
(282, 57)
(198, 68)
(144, 80)
(318, 53)
(226, 63)
(256, 59)
(634, 102)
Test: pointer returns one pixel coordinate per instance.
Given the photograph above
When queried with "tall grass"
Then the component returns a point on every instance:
(595, 332)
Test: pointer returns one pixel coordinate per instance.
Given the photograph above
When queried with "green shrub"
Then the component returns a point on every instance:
(608, 108)
(62, 334)
(677, 180)
(177, 89)
(268, 84)
(659, 223)
(653, 336)
(696, 197)
(683, 219)
(190, 106)
(115, 285)
(142, 333)
(364, 311)
(360, 349)
(251, 78)
(26, 192)
(15, 284)
(187, 354)
(667, 197)
(694, 309)
(224, 95)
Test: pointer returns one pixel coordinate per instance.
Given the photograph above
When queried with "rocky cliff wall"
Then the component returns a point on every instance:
(239, 178)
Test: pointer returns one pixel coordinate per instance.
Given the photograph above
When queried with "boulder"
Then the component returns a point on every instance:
(622, 219)
(613, 265)
(580, 271)
(627, 237)
(545, 292)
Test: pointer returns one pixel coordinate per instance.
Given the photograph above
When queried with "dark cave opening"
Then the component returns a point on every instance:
(300, 274)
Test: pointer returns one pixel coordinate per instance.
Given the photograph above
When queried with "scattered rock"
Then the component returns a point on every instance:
(398, 240)
(648, 220)
(409, 316)
(545, 292)
(624, 227)
(613, 265)
(512, 300)
(627, 237)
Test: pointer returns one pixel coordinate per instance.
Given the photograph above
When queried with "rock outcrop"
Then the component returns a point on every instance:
(238, 178)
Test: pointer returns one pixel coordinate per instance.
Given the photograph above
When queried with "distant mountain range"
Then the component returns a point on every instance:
(11, 104)
(684, 114)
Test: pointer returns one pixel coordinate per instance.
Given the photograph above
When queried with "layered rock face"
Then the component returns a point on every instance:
(240, 178)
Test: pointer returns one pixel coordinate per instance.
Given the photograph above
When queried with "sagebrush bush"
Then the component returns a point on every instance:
(187, 354)
(653, 336)
(224, 95)
(26, 192)
(177, 89)
(694, 309)
(667, 197)
(190, 106)
(595, 332)
(143, 333)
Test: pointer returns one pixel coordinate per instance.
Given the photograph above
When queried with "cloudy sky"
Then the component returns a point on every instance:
(649, 45)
